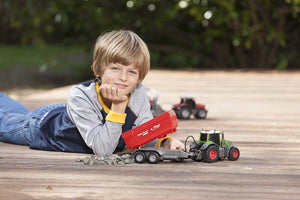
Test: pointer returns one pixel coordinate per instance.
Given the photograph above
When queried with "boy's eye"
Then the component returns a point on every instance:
(115, 68)
(132, 72)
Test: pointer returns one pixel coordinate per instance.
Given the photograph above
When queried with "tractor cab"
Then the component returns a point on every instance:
(190, 102)
(211, 136)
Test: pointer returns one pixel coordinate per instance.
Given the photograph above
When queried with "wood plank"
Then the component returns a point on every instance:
(259, 112)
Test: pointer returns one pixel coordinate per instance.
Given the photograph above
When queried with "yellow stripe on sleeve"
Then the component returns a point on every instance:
(160, 141)
(116, 117)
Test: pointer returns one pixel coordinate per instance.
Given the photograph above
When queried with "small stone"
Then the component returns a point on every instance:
(127, 161)
(91, 162)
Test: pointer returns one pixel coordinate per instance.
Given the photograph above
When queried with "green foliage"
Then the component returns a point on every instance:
(42, 58)
(249, 34)
(23, 66)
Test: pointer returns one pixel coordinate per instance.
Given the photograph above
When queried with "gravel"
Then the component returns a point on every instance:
(113, 159)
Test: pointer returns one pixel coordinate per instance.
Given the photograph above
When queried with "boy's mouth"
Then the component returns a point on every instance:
(121, 86)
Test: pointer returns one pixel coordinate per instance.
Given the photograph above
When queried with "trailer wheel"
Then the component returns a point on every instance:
(200, 114)
(184, 113)
(211, 154)
(153, 158)
(139, 157)
(234, 154)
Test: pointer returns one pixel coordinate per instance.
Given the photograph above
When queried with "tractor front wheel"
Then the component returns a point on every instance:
(234, 154)
(200, 114)
(211, 154)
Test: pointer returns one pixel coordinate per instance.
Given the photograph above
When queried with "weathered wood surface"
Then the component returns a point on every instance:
(259, 112)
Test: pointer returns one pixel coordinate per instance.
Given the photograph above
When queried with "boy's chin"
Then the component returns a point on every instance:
(124, 93)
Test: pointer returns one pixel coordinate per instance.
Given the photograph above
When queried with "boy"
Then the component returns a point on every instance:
(97, 112)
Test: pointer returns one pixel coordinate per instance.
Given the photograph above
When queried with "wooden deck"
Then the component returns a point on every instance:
(259, 112)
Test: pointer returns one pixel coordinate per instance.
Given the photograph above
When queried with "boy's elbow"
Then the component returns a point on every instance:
(104, 149)
(103, 145)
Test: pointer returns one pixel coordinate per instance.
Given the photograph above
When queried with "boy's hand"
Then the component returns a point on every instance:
(115, 96)
(112, 93)
(172, 144)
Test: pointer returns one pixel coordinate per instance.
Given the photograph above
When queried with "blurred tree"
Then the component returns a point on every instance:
(255, 34)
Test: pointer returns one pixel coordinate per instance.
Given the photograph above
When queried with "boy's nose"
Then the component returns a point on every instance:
(123, 76)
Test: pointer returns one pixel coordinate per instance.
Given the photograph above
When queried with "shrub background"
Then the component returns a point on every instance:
(181, 34)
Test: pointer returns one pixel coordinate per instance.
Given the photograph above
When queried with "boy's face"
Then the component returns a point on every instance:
(123, 77)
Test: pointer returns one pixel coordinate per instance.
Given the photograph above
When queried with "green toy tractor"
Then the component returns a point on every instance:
(212, 147)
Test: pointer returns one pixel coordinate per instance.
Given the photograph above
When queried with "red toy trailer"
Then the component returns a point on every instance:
(161, 126)
(158, 127)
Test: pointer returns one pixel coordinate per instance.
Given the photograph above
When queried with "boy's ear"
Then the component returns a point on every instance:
(93, 67)
(94, 70)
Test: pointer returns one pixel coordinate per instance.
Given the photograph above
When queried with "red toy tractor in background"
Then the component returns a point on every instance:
(188, 107)
(184, 110)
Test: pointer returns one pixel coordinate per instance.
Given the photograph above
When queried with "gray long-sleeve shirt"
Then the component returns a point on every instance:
(84, 109)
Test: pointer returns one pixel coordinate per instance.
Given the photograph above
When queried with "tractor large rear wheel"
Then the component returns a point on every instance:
(185, 113)
(211, 154)
(234, 154)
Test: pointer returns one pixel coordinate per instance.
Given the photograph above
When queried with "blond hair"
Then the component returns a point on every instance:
(124, 47)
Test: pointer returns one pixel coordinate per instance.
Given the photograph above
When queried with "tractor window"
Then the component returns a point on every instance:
(215, 137)
(193, 103)
(203, 137)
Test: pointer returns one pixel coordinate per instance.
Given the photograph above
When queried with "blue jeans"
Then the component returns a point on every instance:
(18, 124)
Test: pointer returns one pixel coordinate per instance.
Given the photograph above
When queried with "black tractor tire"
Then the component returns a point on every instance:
(234, 154)
(200, 113)
(211, 154)
(139, 157)
(198, 156)
(153, 158)
(184, 113)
